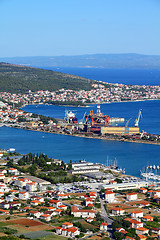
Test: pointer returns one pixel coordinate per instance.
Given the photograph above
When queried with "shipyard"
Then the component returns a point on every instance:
(99, 123)
(91, 125)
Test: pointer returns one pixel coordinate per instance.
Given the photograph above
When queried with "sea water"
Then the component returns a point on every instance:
(131, 156)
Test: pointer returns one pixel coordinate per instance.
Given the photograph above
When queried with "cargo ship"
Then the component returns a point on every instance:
(70, 117)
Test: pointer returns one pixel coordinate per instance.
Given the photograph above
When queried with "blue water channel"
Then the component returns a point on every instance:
(131, 156)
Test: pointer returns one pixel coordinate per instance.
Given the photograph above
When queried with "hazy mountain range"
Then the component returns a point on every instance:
(110, 61)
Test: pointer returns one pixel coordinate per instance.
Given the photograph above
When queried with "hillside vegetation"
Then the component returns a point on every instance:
(20, 79)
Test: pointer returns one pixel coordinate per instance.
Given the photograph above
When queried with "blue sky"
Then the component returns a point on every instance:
(76, 27)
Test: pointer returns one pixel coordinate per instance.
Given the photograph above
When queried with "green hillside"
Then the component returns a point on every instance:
(20, 79)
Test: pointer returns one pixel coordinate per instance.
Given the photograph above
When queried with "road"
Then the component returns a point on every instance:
(93, 234)
(106, 219)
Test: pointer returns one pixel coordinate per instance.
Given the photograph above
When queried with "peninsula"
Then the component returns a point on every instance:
(21, 85)
(17, 118)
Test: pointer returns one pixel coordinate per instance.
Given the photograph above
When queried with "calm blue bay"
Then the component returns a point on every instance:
(131, 156)
(125, 76)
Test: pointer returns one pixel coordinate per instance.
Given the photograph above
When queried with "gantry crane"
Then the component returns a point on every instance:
(138, 118)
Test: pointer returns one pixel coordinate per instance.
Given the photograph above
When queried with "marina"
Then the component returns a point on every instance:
(151, 172)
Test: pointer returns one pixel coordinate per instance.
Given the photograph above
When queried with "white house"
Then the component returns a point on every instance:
(15, 204)
(63, 207)
(121, 230)
(55, 203)
(58, 230)
(31, 187)
(142, 231)
(2, 176)
(157, 193)
(46, 217)
(3, 187)
(143, 190)
(156, 230)
(72, 232)
(131, 196)
(137, 214)
(1, 154)
(62, 196)
(103, 227)
(93, 194)
(21, 182)
(88, 201)
(1, 194)
(35, 202)
(68, 232)
(36, 214)
(4, 171)
(58, 211)
(13, 171)
(9, 198)
(23, 195)
(147, 218)
(51, 213)
(118, 211)
(136, 224)
(109, 196)
(67, 225)
(84, 213)
(4, 205)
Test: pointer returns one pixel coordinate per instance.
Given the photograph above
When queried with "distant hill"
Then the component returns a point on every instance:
(20, 79)
(110, 61)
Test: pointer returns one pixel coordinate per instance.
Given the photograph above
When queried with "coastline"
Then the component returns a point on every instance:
(88, 105)
(93, 137)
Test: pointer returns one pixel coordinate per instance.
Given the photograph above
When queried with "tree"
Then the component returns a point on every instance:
(32, 169)
(118, 235)
(21, 119)
(10, 163)
(115, 225)
(126, 224)
(156, 219)
(118, 180)
(131, 232)
(11, 212)
(21, 162)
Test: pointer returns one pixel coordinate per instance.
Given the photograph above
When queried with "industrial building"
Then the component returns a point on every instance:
(84, 167)
(119, 130)
(125, 186)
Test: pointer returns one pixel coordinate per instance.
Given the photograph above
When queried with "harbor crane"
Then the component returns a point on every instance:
(82, 120)
(138, 118)
(127, 123)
